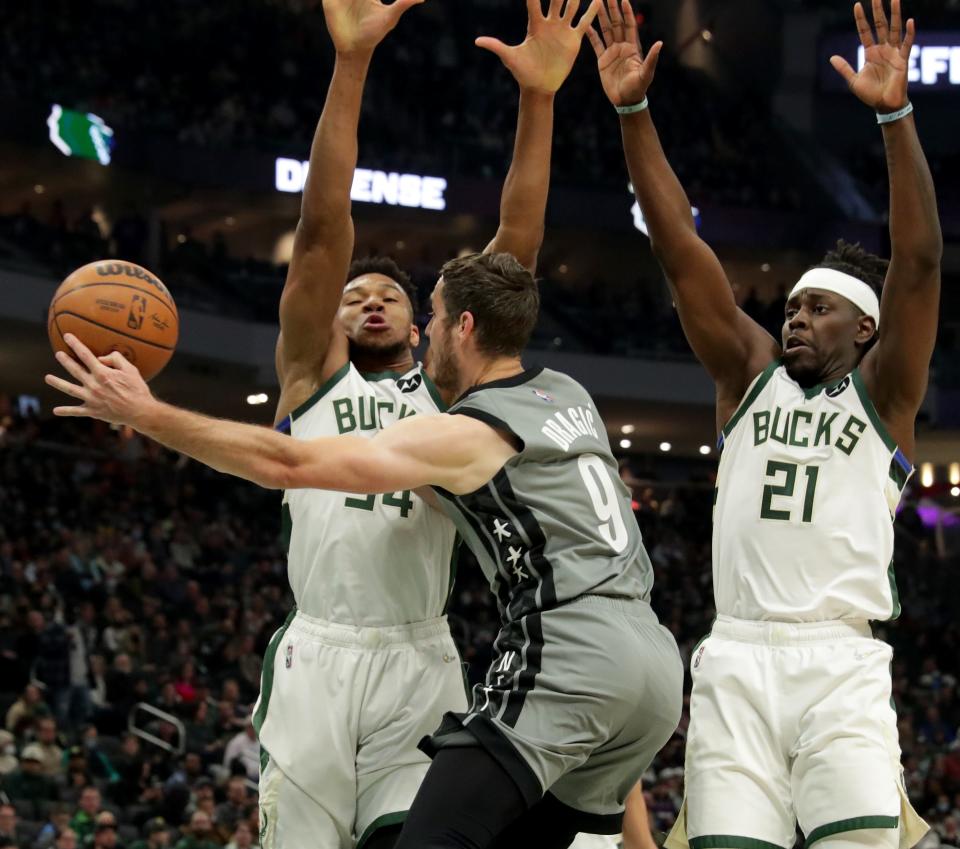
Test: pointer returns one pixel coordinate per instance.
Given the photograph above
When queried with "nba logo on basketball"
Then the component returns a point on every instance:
(289, 655)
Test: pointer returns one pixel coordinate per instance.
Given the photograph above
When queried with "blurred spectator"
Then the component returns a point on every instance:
(12, 829)
(105, 831)
(244, 749)
(51, 758)
(8, 754)
(25, 710)
(66, 839)
(86, 816)
(199, 834)
(242, 837)
(231, 811)
(29, 784)
(156, 835)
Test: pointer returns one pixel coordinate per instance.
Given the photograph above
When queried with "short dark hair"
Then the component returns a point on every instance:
(388, 267)
(852, 259)
(501, 295)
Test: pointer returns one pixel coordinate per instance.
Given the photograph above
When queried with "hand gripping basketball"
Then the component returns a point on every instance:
(110, 388)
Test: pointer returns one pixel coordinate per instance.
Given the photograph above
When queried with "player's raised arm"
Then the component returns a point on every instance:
(896, 369)
(456, 452)
(323, 243)
(539, 65)
(731, 346)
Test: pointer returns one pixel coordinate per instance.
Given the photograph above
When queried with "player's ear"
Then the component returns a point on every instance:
(466, 325)
(414, 336)
(866, 329)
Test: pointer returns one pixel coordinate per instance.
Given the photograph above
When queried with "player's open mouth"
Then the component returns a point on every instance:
(376, 322)
(794, 342)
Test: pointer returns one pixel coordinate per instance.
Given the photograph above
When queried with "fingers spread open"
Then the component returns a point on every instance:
(588, 17)
(66, 387)
(880, 22)
(863, 26)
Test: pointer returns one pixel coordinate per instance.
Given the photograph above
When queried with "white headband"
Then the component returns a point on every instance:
(854, 290)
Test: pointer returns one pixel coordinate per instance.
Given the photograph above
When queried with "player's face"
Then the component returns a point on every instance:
(443, 356)
(376, 315)
(820, 331)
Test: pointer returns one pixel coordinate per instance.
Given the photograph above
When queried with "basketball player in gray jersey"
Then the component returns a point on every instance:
(586, 685)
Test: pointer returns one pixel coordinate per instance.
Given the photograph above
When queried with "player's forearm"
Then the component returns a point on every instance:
(523, 203)
(662, 199)
(915, 236)
(333, 153)
(636, 822)
(252, 452)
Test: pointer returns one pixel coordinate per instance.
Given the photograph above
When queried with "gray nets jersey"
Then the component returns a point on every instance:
(555, 522)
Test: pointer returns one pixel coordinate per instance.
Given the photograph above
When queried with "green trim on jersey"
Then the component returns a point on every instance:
(383, 375)
(266, 676)
(286, 526)
(454, 559)
(730, 841)
(894, 592)
(814, 391)
(874, 417)
(854, 824)
(384, 821)
(335, 378)
(898, 474)
(434, 392)
(761, 380)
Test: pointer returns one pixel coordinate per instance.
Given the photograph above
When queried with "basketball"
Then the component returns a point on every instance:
(113, 305)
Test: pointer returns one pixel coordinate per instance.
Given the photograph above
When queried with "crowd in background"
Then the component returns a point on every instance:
(131, 576)
(201, 80)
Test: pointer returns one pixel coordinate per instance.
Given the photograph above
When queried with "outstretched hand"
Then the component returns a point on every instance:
(110, 387)
(358, 26)
(544, 60)
(624, 72)
(882, 81)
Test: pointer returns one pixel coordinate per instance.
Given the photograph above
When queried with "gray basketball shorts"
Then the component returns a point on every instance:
(577, 702)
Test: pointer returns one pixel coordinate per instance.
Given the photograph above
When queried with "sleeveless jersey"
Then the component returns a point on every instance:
(555, 522)
(366, 560)
(807, 490)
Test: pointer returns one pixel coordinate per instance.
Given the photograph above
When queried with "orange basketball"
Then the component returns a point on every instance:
(113, 305)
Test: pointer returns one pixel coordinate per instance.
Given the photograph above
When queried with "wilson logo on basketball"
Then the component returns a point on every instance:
(114, 269)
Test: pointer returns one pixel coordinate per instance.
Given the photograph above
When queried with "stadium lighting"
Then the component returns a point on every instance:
(955, 491)
(704, 449)
(256, 400)
(707, 35)
(627, 428)
(665, 446)
(955, 474)
(625, 443)
(926, 474)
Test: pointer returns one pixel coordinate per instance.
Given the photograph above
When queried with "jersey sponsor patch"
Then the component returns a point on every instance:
(840, 388)
(409, 384)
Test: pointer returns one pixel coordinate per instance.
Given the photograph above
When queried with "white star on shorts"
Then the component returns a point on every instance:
(500, 529)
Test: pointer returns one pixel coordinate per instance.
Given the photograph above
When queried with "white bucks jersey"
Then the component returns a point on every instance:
(368, 560)
(807, 489)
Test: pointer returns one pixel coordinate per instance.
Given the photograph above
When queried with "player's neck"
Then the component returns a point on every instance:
(368, 362)
(487, 371)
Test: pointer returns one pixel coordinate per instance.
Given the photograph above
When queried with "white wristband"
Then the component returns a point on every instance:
(890, 117)
(637, 107)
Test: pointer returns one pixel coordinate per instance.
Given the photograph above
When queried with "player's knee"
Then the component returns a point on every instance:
(864, 838)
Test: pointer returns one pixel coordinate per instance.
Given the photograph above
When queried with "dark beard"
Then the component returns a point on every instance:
(446, 373)
(384, 354)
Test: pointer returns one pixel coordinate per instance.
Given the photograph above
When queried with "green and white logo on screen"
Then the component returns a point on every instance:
(80, 134)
